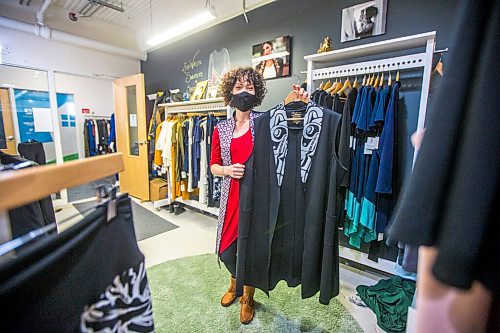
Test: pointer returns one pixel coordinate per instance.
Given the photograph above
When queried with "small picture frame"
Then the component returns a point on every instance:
(272, 58)
(363, 20)
(199, 91)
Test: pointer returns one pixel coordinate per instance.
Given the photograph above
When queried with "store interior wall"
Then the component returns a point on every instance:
(93, 94)
(307, 22)
(22, 78)
(25, 49)
(85, 73)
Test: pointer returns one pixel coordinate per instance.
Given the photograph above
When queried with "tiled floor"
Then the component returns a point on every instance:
(196, 235)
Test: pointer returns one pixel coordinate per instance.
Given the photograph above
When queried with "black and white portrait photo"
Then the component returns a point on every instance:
(363, 20)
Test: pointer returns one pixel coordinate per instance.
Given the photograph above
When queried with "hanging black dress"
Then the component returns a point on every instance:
(288, 201)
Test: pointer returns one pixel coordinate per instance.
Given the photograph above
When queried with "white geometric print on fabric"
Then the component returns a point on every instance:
(125, 306)
(279, 136)
(310, 137)
(309, 142)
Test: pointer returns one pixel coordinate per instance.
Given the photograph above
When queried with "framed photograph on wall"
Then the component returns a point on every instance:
(363, 20)
(272, 58)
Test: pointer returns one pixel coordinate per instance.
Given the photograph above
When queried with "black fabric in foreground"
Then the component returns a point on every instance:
(450, 201)
(90, 277)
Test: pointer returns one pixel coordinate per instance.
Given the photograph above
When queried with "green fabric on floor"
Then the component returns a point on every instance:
(389, 300)
(186, 298)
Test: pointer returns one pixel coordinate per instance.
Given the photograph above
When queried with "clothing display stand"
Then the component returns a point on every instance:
(412, 59)
(21, 187)
(202, 106)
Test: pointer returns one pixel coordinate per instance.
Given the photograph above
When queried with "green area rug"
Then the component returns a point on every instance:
(186, 294)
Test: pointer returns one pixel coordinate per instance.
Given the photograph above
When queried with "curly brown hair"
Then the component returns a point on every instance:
(239, 73)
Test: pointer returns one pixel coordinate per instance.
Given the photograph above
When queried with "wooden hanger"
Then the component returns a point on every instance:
(389, 81)
(21, 187)
(347, 84)
(321, 85)
(381, 83)
(372, 79)
(375, 84)
(337, 88)
(397, 76)
(327, 85)
(439, 66)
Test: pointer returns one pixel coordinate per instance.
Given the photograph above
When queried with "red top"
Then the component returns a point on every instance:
(241, 148)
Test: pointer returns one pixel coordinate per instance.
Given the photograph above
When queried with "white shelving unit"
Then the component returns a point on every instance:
(413, 58)
(197, 106)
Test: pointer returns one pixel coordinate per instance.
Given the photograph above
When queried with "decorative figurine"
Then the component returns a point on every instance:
(326, 45)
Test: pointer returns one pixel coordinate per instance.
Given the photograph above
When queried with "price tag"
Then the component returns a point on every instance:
(351, 139)
(367, 151)
(375, 142)
(380, 236)
(183, 174)
(354, 144)
(183, 187)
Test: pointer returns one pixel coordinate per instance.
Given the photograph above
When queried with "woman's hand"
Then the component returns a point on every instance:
(235, 171)
(301, 94)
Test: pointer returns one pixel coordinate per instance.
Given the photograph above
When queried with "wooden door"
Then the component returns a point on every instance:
(7, 142)
(131, 134)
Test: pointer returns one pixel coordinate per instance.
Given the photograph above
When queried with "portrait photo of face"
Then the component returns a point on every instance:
(363, 20)
(272, 58)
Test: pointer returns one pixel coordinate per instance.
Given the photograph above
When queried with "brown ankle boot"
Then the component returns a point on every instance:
(247, 305)
(230, 295)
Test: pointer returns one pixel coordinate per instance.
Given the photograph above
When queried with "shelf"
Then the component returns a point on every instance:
(396, 44)
(202, 105)
(196, 102)
(198, 205)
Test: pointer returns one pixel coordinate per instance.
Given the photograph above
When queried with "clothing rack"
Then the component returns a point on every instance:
(209, 105)
(21, 187)
(412, 59)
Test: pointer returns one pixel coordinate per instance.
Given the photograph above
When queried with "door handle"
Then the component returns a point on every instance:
(10, 138)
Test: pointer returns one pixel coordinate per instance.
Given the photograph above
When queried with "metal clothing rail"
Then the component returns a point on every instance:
(412, 59)
(204, 105)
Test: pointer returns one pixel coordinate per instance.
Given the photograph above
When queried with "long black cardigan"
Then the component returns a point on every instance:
(260, 202)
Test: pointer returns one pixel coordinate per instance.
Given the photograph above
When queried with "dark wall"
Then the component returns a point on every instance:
(306, 21)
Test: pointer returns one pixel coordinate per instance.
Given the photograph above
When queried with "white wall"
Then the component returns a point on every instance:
(90, 93)
(83, 70)
(25, 49)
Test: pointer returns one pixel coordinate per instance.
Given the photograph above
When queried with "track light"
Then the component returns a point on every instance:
(188, 25)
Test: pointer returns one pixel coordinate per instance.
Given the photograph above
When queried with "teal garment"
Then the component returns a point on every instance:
(389, 300)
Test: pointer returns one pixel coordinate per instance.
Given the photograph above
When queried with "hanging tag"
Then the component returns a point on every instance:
(369, 143)
(183, 187)
(350, 141)
(354, 144)
(380, 236)
(183, 174)
(375, 142)
(367, 151)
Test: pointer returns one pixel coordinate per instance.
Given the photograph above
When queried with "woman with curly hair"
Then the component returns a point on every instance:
(232, 144)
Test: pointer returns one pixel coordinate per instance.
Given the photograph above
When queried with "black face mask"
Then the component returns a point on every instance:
(243, 101)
